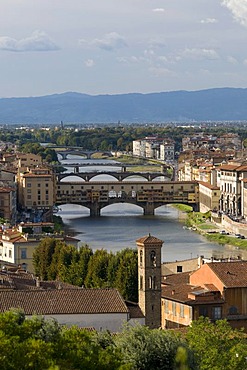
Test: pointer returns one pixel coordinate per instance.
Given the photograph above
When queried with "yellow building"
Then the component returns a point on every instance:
(209, 197)
(36, 189)
(17, 247)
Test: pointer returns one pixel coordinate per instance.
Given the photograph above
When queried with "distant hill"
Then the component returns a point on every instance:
(222, 104)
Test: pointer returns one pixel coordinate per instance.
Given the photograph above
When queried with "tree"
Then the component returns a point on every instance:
(42, 257)
(39, 344)
(126, 280)
(217, 346)
(147, 349)
(97, 270)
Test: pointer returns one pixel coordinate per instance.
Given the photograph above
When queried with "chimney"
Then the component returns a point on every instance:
(37, 282)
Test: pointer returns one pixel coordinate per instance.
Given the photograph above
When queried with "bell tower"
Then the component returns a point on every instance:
(149, 279)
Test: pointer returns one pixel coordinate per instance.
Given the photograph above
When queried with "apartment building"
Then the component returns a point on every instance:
(36, 189)
(17, 245)
(217, 290)
(230, 177)
(209, 197)
(8, 204)
(154, 147)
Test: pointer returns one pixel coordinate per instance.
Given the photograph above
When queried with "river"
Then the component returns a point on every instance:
(120, 225)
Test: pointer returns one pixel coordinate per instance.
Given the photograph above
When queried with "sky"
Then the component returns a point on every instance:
(121, 46)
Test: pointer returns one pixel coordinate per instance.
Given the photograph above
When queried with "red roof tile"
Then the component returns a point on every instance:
(64, 301)
(149, 239)
(232, 274)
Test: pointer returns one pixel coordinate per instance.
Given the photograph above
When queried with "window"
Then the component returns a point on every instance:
(179, 268)
(29, 184)
(153, 258)
(10, 253)
(233, 310)
(151, 282)
(23, 253)
(181, 310)
(203, 311)
(141, 256)
(38, 185)
(166, 306)
(141, 282)
(174, 308)
(216, 313)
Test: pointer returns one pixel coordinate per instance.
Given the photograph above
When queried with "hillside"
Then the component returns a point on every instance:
(222, 104)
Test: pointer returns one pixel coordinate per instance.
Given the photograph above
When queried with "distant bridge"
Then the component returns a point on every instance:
(146, 194)
(64, 151)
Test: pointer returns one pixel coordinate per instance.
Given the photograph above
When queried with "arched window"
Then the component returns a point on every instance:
(153, 258)
(141, 256)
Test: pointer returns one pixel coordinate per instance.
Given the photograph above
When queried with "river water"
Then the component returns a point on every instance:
(120, 225)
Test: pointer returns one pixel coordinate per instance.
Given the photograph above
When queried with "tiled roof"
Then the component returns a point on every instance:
(134, 310)
(228, 167)
(64, 301)
(177, 288)
(232, 167)
(209, 186)
(149, 239)
(232, 274)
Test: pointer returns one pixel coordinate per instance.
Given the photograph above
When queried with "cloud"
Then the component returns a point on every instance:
(89, 63)
(196, 53)
(38, 41)
(232, 60)
(158, 10)
(208, 20)
(238, 9)
(110, 42)
(159, 71)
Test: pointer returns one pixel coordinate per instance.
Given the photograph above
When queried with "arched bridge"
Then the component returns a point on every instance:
(119, 176)
(84, 153)
(146, 194)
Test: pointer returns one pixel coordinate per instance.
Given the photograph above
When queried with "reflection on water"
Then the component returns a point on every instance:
(120, 225)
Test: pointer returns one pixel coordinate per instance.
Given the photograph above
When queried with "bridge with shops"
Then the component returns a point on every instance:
(149, 194)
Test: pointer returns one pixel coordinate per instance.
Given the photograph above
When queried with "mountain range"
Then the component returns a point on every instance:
(218, 104)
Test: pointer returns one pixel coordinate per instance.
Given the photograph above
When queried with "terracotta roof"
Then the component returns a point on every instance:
(177, 288)
(209, 186)
(134, 310)
(232, 167)
(21, 280)
(232, 274)
(64, 301)
(149, 239)
(228, 167)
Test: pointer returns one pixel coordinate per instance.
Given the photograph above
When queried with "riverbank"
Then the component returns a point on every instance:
(201, 223)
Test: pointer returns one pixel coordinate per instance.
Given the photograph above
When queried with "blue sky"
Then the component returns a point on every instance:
(120, 46)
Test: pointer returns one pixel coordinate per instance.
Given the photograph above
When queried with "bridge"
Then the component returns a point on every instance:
(118, 175)
(88, 154)
(149, 195)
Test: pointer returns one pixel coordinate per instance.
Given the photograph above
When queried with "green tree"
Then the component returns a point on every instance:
(126, 280)
(217, 346)
(97, 270)
(42, 257)
(147, 349)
